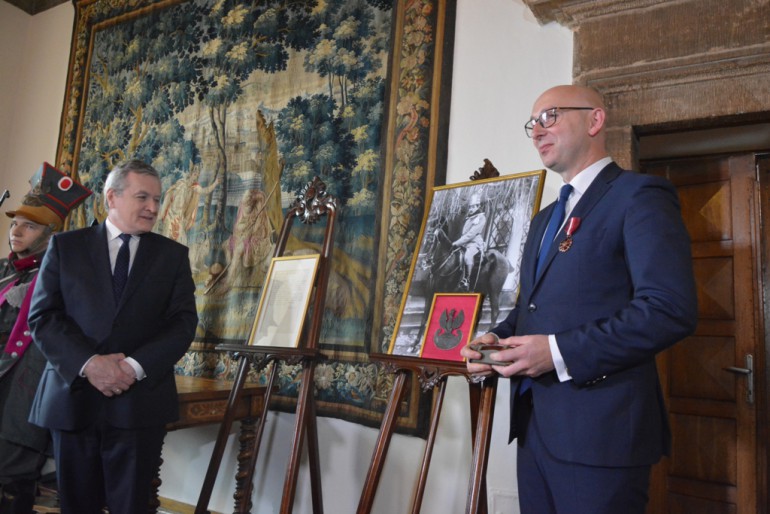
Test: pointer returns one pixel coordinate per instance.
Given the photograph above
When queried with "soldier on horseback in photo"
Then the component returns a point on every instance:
(472, 239)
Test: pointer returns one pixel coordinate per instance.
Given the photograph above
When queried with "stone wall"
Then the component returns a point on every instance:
(666, 65)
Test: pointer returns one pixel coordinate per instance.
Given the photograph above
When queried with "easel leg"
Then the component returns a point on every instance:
(429, 444)
(383, 441)
(304, 410)
(314, 457)
(482, 437)
(219, 447)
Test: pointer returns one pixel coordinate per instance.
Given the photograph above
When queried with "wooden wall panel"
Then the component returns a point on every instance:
(707, 446)
(696, 368)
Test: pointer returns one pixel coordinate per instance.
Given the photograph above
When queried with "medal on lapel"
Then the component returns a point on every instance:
(572, 226)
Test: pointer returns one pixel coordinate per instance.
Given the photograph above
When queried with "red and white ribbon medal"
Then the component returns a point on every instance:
(572, 226)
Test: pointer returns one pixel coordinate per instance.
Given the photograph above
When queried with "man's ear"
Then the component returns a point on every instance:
(110, 195)
(597, 121)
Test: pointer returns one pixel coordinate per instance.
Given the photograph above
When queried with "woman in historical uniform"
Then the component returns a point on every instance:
(24, 447)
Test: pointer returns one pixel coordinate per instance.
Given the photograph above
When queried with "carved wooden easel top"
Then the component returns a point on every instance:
(486, 171)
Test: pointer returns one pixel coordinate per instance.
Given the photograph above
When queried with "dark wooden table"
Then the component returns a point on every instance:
(203, 401)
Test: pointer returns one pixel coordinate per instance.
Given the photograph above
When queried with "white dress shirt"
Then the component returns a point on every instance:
(113, 245)
(580, 184)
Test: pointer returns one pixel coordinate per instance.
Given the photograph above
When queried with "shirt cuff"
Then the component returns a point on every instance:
(558, 361)
(138, 369)
(83, 368)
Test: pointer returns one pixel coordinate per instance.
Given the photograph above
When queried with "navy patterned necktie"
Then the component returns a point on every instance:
(120, 273)
(554, 223)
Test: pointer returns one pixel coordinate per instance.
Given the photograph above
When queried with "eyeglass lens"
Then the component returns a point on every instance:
(548, 118)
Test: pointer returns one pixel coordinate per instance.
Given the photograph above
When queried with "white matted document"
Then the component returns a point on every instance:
(284, 302)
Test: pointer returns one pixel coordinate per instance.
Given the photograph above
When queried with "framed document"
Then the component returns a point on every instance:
(451, 323)
(284, 301)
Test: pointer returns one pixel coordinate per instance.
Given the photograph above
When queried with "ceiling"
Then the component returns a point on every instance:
(35, 6)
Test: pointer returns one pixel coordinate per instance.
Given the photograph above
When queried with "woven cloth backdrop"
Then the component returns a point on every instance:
(238, 104)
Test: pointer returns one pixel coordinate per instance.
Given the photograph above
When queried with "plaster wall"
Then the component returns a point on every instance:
(34, 55)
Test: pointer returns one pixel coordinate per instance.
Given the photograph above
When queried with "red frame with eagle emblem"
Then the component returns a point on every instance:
(451, 325)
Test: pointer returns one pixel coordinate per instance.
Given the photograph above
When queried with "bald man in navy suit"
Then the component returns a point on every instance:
(614, 288)
(109, 389)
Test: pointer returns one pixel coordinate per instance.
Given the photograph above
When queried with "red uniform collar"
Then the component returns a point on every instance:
(25, 263)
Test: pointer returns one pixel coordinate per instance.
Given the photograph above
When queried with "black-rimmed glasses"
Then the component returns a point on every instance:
(549, 117)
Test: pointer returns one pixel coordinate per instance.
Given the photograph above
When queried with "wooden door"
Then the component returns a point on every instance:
(713, 380)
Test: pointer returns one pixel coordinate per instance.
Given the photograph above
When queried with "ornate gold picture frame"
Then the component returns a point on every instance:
(284, 302)
(473, 233)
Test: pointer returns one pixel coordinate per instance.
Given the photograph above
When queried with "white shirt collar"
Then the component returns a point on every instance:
(582, 180)
(113, 232)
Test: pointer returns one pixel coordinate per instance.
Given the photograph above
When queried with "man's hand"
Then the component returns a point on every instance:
(128, 368)
(109, 375)
(529, 356)
(476, 369)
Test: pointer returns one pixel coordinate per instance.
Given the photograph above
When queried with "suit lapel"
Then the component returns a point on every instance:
(538, 229)
(99, 255)
(601, 184)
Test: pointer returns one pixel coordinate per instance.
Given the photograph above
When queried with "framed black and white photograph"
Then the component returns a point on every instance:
(284, 302)
(470, 241)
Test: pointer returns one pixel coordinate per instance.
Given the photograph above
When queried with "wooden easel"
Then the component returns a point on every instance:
(312, 203)
(434, 374)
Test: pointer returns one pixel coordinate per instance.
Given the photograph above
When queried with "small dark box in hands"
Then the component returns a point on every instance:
(487, 349)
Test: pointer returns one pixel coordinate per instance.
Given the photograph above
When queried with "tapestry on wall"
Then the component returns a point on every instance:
(239, 104)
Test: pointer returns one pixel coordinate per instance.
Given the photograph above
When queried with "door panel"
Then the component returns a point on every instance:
(713, 464)
(697, 363)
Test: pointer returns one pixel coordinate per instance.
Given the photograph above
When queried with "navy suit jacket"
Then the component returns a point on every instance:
(74, 316)
(623, 292)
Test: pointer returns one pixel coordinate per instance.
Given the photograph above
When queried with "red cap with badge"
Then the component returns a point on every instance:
(52, 197)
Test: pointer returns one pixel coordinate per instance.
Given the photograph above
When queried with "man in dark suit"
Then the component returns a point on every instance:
(614, 287)
(108, 389)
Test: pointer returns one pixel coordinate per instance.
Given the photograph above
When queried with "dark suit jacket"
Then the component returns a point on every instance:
(622, 292)
(74, 316)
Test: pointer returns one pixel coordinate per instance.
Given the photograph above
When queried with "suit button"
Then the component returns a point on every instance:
(531, 307)
(19, 343)
(27, 333)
